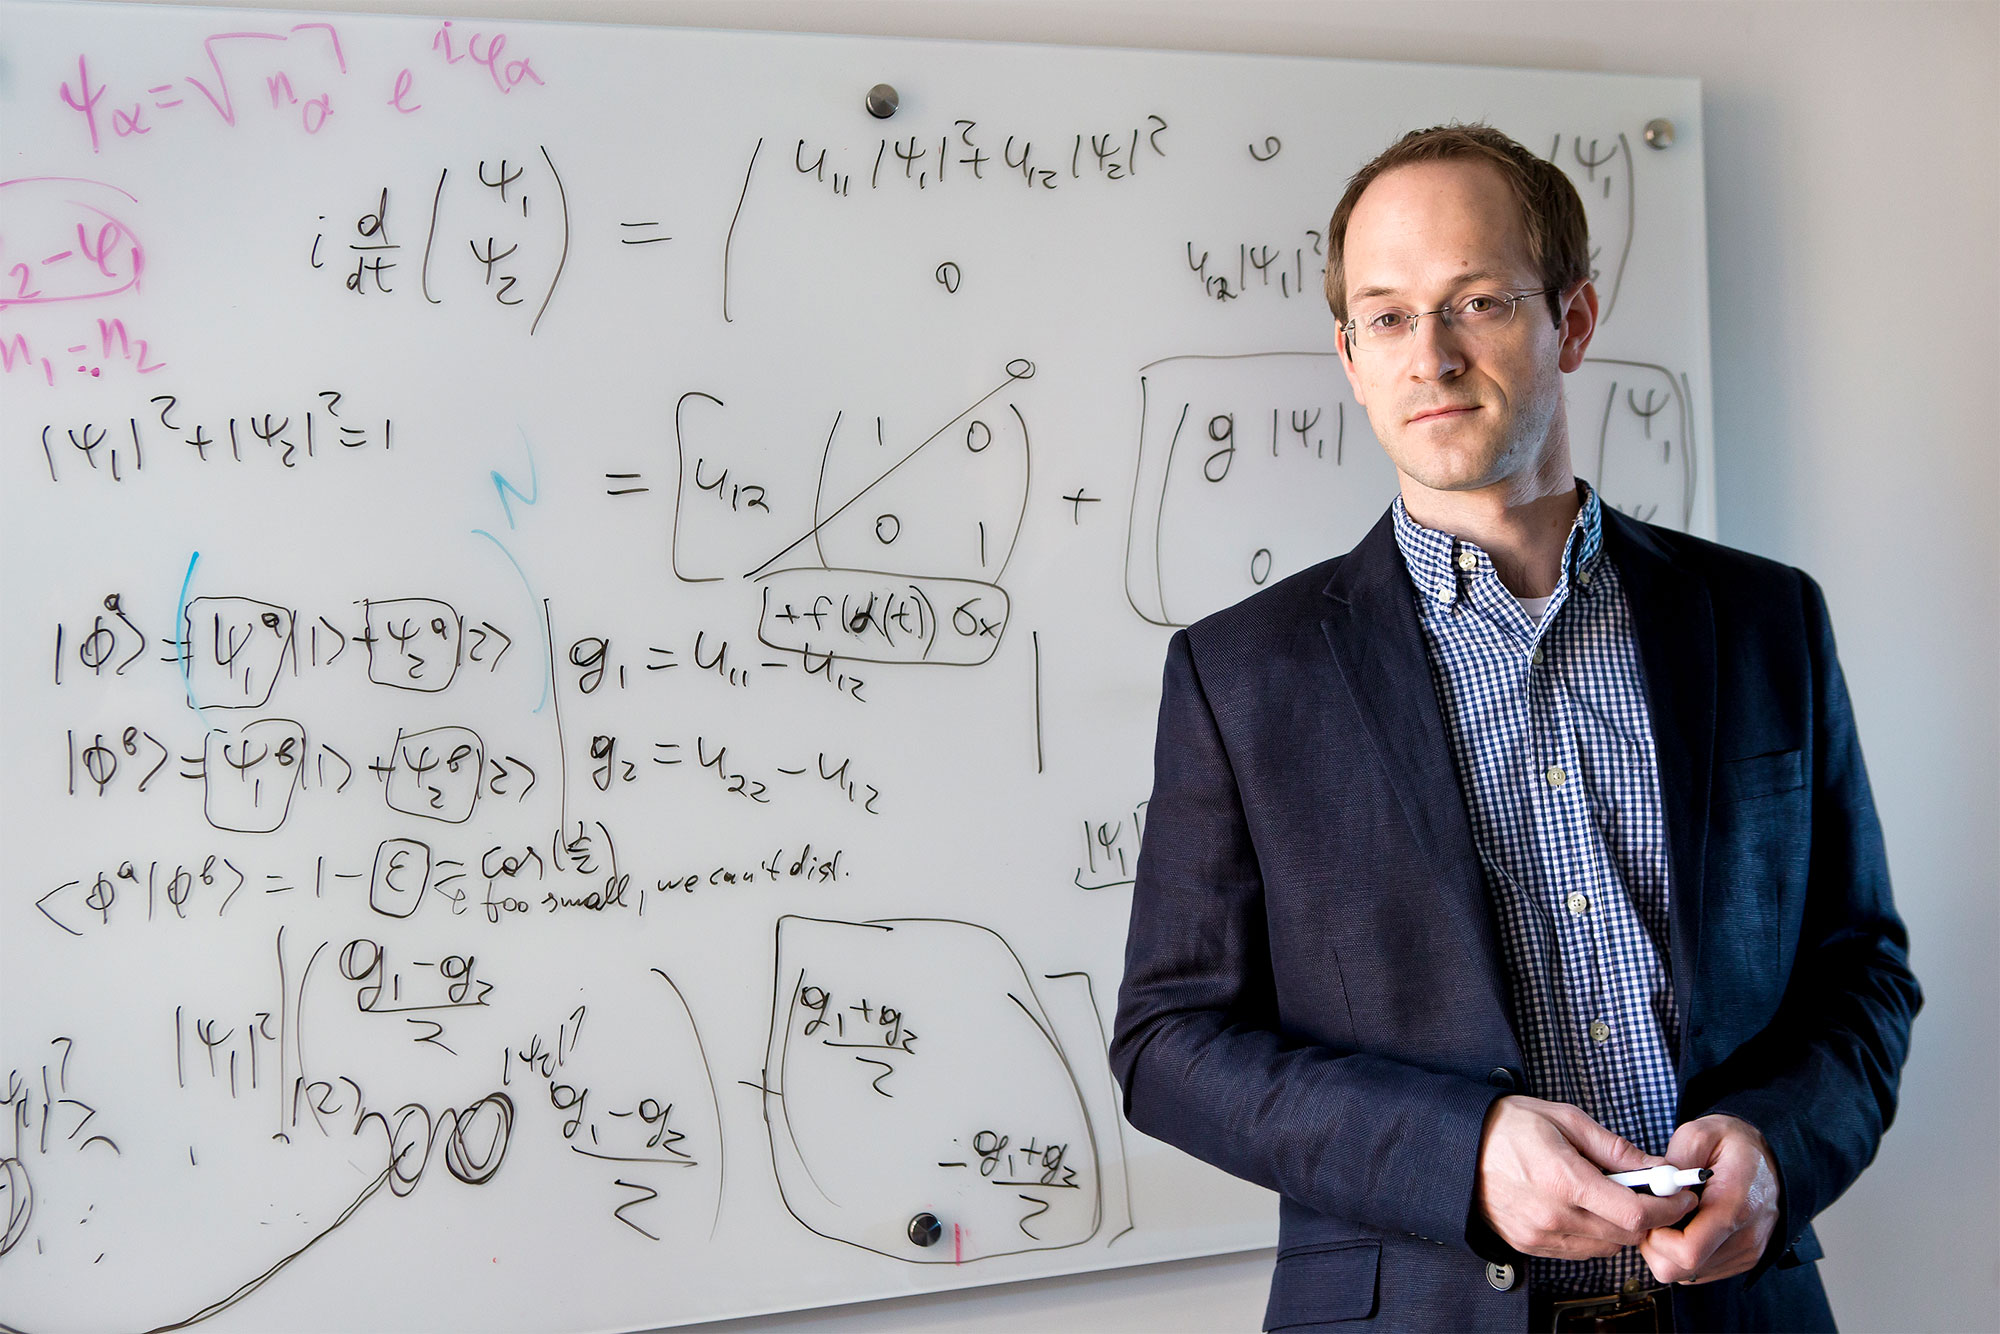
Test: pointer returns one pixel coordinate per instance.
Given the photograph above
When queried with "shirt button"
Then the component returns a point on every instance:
(1599, 1031)
(1555, 775)
(1578, 902)
(1467, 561)
(1500, 1277)
(1583, 577)
(1535, 656)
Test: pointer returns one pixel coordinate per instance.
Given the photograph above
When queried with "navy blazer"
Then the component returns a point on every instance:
(1314, 996)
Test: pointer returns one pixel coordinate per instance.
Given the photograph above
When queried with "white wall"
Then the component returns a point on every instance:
(1853, 154)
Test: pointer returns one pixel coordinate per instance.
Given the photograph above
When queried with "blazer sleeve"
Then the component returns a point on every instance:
(1198, 1046)
(1820, 1080)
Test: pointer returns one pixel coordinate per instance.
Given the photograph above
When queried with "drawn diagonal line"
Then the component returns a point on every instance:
(814, 530)
(216, 1308)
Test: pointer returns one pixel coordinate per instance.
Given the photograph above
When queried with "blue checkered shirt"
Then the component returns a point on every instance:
(1553, 743)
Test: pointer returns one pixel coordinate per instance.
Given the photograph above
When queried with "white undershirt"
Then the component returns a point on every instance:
(1535, 607)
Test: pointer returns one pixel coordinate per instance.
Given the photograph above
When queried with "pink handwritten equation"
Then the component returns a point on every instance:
(301, 69)
(66, 241)
(507, 75)
(62, 242)
(298, 68)
(109, 344)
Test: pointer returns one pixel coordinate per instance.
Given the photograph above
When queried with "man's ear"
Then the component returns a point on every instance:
(1577, 325)
(1347, 364)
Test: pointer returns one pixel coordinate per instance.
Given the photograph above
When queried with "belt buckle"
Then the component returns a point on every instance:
(1645, 1310)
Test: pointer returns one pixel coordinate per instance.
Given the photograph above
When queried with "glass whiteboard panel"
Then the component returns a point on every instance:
(585, 626)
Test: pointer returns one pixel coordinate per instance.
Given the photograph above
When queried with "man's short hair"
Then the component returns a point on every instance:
(1551, 210)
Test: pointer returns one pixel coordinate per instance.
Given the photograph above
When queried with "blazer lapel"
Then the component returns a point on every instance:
(1675, 626)
(1378, 648)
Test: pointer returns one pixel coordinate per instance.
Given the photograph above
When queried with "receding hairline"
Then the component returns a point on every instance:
(1545, 201)
(1484, 272)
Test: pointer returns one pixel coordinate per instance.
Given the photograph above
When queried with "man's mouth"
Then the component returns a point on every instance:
(1444, 411)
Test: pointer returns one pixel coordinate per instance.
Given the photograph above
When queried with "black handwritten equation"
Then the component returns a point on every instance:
(989, 1116)
(629, 1083)
(229, 655)
(599, 665)
(571, 872)
(968, 153)
(250, 773)
(1254, 268)
(622, 763)
(904, 543)
(1242, 479)
(230, 651)
(47, 1116)
(496, 232)
(1111, 850)
(166, 434)
(266, 1085)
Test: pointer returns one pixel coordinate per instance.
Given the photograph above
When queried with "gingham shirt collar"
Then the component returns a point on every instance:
(1434, 557)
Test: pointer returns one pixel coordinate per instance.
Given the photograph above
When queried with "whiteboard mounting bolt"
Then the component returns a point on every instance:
(925, 1229)
(882, 101)
(1660, 133)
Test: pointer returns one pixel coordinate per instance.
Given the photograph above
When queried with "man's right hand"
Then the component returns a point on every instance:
(1541, 1182)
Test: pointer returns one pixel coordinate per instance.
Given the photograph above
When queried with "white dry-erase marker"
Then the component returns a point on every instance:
(1663, 1180)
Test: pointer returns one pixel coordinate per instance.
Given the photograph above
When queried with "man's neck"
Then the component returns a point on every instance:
(1522, 523)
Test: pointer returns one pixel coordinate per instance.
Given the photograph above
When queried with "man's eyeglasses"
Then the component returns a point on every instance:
(1474, 315)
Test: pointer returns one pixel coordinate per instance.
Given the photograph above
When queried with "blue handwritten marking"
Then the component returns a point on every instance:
(185, 649)
(505, 488)
(548, 663)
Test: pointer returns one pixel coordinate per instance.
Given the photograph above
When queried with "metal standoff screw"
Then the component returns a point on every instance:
(1660, 133)
(925, 1229)
(882, 102)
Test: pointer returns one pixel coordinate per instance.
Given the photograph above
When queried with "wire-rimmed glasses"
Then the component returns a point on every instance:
(1474, 315)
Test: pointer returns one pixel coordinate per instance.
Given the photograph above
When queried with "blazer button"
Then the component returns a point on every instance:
(1501, 1077)
(1500, 1277)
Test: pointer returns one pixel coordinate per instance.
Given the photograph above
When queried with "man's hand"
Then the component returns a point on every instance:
(1739, 1205)
(1541, 1183)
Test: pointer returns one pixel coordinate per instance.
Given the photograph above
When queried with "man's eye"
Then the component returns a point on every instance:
(1387, 321)
(1479, 304)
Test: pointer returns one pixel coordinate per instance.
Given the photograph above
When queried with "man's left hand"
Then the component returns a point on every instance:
(1727, 1234)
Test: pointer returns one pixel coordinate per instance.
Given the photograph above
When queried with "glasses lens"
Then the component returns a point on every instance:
(1483, 312)
(1381, 326)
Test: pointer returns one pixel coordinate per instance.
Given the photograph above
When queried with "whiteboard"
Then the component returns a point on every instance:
(585, 626)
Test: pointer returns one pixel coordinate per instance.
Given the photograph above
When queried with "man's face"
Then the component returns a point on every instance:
(1458, 413)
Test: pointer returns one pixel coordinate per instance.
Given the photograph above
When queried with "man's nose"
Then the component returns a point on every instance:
(1435, 350)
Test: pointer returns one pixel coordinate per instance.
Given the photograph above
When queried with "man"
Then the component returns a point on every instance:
(1522, 844)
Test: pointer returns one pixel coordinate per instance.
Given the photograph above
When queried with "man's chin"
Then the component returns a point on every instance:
(1454, 476)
